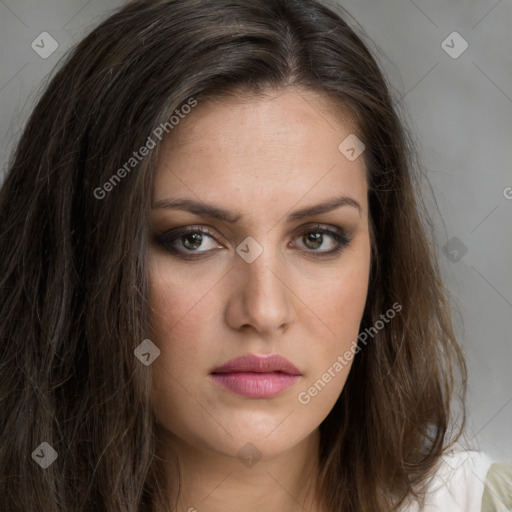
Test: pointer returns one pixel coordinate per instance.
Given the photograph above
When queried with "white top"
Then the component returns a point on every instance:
(458, 485)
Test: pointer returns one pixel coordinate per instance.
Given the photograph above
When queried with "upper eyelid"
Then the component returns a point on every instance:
(210, 231)
(207, 230)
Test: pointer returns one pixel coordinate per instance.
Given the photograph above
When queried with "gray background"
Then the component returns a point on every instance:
(460, 112)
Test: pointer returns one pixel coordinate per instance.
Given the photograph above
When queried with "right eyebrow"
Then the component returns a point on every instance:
(197, 208)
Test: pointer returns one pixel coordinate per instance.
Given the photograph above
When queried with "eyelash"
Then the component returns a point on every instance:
(167, 239)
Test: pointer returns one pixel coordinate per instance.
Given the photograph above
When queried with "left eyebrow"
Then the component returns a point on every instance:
(215, 212)
(324, 207)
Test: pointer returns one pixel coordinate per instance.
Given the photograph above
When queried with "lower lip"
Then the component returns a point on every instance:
(255, 385)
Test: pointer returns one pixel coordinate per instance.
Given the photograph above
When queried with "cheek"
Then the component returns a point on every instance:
(182, 319)
(339, 306)
(346, 300)
(181, 309)
(342, 307)
(340, 298)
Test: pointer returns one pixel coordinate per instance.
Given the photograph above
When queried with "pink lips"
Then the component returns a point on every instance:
(256, 376)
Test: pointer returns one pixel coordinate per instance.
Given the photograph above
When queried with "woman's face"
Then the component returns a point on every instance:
(270, 282)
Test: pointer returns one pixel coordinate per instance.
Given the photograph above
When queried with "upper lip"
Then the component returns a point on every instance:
(258, 364)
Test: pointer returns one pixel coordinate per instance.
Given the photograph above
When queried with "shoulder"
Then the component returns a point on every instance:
(497, 496)
(468, 481)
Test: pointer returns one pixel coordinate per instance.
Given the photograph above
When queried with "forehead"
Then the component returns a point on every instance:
(281, 147)
(285, 116)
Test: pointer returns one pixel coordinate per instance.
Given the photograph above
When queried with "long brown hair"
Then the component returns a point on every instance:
(73, 273)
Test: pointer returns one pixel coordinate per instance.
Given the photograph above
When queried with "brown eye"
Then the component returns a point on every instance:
(188, 241)
(313, 239)
(192, 240)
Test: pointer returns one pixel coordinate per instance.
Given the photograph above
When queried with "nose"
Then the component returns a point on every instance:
(261, 295)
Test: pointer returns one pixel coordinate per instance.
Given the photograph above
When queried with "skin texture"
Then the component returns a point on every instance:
(262, 158)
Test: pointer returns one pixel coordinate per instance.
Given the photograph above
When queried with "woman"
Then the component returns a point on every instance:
(217, 289)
